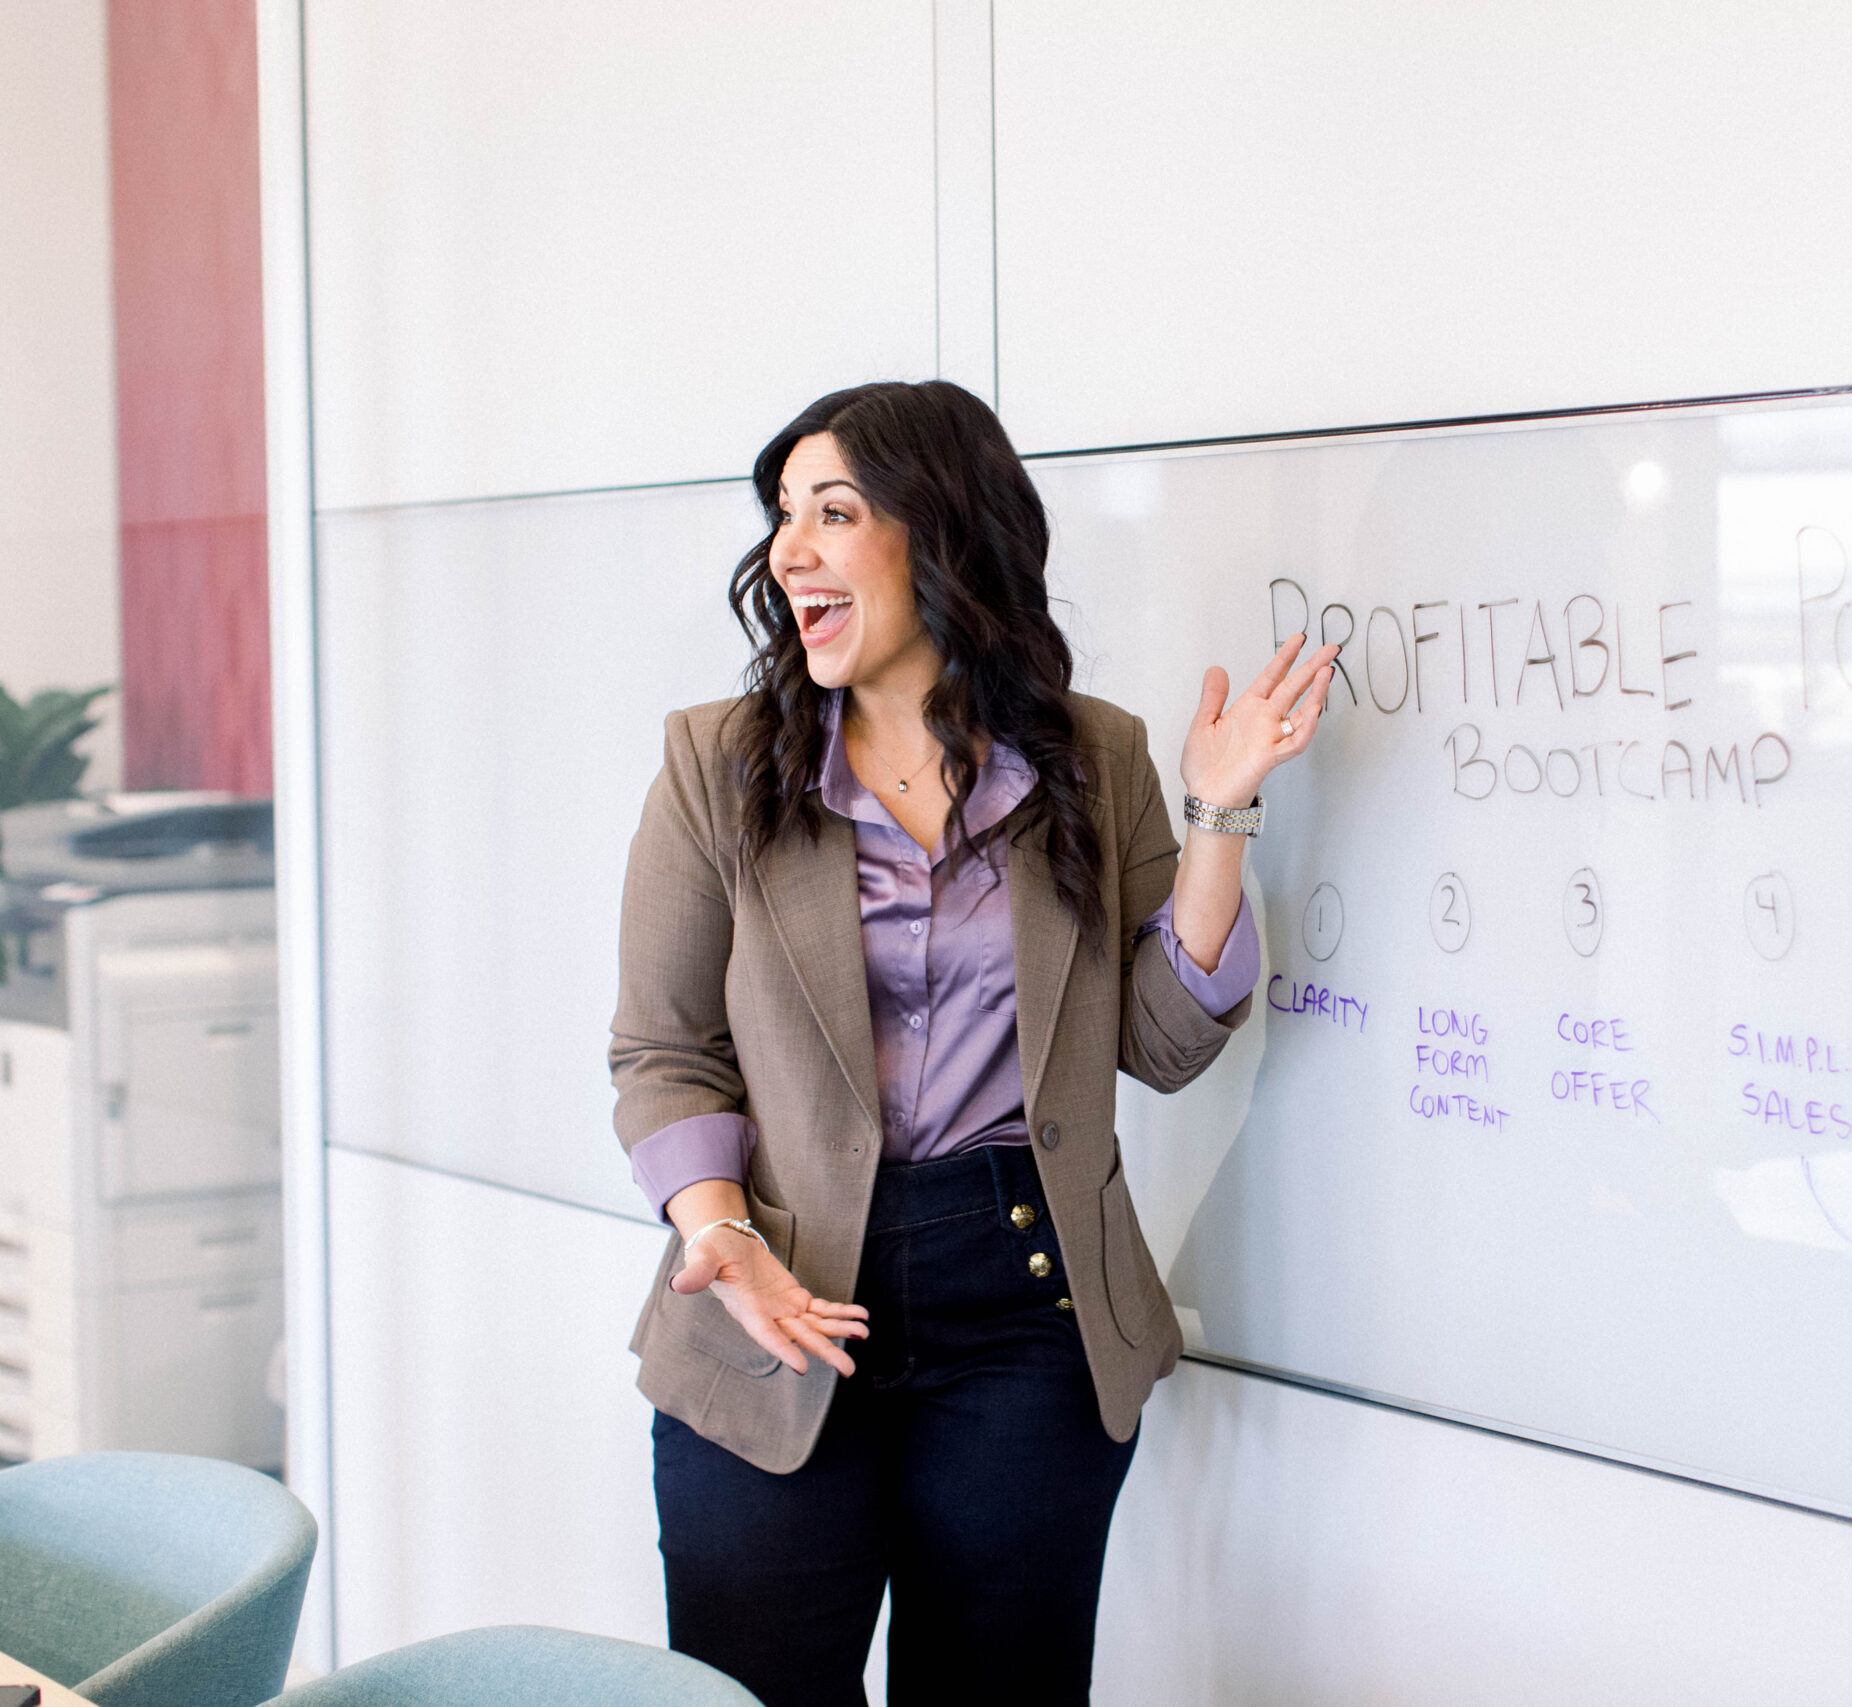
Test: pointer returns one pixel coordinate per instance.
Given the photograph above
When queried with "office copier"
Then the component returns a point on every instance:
(140, 1234)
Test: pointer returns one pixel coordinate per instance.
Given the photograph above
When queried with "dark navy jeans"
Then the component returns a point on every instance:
(965, 1464)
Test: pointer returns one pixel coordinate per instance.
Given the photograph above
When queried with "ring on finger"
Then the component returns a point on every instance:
(1286, 725)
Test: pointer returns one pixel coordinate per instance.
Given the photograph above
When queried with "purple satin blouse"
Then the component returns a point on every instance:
(941, 972)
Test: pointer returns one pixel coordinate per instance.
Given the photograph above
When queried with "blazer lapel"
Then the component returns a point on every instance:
(1044, 935)
(812, 896)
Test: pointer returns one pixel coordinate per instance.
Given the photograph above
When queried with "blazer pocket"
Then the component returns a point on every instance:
(1132, 1282)
(700, 1320)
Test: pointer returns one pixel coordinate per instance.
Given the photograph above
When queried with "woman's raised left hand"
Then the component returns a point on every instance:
(1233, 744)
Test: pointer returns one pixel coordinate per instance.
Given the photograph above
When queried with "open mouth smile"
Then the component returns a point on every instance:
(821, 616)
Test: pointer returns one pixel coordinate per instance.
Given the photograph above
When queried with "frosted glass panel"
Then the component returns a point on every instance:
(491, 1450)
(1545, 1114)
(494, 680)
(1277, 1548)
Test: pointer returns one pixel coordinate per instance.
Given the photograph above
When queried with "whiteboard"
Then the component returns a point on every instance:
(1544, 1121)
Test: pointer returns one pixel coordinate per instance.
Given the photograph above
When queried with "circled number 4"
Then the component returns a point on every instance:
(1768, 915)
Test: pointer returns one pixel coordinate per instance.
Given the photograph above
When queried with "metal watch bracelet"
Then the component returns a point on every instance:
(1225, 820)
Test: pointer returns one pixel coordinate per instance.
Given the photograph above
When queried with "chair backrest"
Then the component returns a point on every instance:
(517, 1663)
(141, 1579)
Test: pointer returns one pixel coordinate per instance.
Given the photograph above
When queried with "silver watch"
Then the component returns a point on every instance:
(1226, 820)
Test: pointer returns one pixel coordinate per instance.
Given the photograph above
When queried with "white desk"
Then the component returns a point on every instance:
(54, 1694)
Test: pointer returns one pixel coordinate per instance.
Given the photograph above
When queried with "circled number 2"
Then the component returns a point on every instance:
(1768, 915)
(1324, 922)
(1450, 914)
(1583, 913)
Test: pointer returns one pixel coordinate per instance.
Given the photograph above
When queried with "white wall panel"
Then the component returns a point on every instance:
(567, 244)
(1279, 1548)
(60, 608)
(491, 1451)
(966, 183)
(494, 679)
(1273, 1546)
(1221, 220)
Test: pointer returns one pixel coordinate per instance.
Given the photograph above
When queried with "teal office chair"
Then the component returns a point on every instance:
(144, 1579)
(518, 1664)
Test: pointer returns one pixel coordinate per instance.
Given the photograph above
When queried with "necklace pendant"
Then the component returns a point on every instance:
(903, 788)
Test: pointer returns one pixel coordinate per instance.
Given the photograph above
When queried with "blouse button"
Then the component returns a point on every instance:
(913, 1024)
(1051, 1136)
(916, 927)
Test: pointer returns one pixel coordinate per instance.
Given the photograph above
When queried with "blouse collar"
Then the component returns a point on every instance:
(1003, 782)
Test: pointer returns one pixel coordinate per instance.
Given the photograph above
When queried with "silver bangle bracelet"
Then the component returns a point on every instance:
(1225, 820)
(736, 1224)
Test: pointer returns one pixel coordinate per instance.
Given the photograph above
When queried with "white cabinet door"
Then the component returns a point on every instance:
(187, 1061)
(36, 1165)
(191, 1363)
(194, 1239)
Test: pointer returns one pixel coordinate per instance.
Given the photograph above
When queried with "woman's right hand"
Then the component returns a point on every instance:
(764, 1297)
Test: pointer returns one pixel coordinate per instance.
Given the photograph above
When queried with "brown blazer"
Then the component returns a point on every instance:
(741, 987)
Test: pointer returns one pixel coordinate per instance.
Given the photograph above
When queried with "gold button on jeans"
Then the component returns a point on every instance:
(1040, 1266)
(1064, 1303)
(1022, 1217)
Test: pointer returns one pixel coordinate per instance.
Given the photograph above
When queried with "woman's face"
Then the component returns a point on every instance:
(843, 565)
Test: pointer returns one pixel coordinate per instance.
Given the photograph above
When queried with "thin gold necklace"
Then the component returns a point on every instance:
(900, 782)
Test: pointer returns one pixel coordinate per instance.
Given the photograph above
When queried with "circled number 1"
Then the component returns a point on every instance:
(1324, 922)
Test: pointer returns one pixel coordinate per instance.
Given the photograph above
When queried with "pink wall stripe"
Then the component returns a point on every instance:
(190, 394)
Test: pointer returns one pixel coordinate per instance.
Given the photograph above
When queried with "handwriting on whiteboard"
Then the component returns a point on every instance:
(1316, 1001)
(1487, 655)
(1451, 1047)
(1799, 1060)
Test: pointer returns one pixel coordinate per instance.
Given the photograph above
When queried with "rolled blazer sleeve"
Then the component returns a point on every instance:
(1233, 976)
(672, 1054)
(1165, 1037)
(704, 1146)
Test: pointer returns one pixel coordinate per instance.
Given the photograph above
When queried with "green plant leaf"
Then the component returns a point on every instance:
(59, 728)
(55, 775)
(12, 721)
(38, 757)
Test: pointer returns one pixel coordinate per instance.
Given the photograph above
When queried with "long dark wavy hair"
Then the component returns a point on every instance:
(936, 459)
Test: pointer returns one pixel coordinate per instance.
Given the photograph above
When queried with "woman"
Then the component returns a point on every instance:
(893, 921)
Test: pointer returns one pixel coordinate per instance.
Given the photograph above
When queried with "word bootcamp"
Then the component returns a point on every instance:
(1508, 654)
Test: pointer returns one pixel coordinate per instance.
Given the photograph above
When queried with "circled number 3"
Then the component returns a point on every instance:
(1583, 913)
